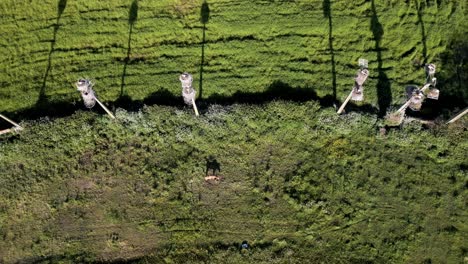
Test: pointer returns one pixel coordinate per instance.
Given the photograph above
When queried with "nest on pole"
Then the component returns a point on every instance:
(358, 89)
(188, 92)
(357, 93)
(85, 87)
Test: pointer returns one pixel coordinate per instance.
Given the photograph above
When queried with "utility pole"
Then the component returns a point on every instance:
(188, 92)
(85, 87)
(416, 96)
(16, 126)
(357, 93)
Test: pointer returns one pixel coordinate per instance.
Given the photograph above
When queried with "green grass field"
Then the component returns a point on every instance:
(300, 183)
(136, 50)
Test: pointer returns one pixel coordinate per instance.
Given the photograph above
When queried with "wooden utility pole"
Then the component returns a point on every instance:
(416, 97)
(188, 92)
(458, 116)
(6, 131)
(195, 107)
(345, 102)
(105, 108)
(404, 106)
(9, 120)
(16, 127)
(85, 87)
(357, 93)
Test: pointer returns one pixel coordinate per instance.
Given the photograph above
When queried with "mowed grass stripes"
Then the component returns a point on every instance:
(47, 45)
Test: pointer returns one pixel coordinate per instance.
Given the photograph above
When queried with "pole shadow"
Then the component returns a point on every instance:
(132, 18)
(42, 99)
(384, 93)
(328, 14)
(423, 30)
(205, 17)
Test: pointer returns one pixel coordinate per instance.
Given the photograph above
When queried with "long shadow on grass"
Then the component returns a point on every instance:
(132, 18)
(42, 99)
(384, 93)
(423, 30)
(205, 16)
(327, 13)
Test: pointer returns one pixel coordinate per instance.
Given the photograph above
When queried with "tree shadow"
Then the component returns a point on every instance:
(384, 93)
(42, 99)
(327, 13)
(454, 75)
(132, 18)
(164, 97)
(204, 18)
(46, 109)
(277, 90)
(419, 8)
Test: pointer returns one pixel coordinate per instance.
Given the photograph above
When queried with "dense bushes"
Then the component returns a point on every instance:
(299, 182)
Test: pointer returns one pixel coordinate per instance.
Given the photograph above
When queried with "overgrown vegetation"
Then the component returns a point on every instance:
(300, 183)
